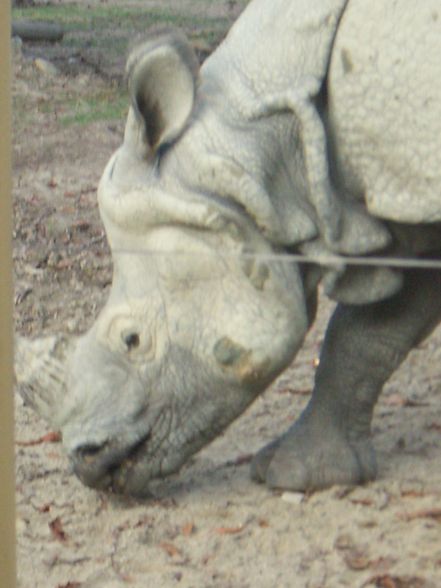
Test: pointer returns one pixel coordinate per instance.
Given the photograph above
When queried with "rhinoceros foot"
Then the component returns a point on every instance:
(307, 459)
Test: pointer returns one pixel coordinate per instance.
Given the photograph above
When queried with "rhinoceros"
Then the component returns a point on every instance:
(313, 129)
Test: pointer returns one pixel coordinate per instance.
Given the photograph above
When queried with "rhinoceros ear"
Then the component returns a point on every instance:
(162, 76)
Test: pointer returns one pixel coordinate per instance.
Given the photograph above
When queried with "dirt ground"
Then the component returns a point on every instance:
(209, 526)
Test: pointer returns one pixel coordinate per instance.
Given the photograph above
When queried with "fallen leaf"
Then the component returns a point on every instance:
(296, 391)
(52, 437)
(343, 491)
(434, 427)
(116, 532)
(81, 225)
(382, 582)
(64, 263)
(368, 524)
(263, 523)
(71, 210)
(383, 564)
(430, 513)
(230, 530)
(344, 542)
(386, 581)
(362, 501)
(57, 530)
(170, 549)
(412, 494)
(416, 403)
(394, 400)
(53, 455)
(398, 400)
(188, 529)
(239, 460)
(413, 488)
(357, 561)
(143, 521)
(70, 585)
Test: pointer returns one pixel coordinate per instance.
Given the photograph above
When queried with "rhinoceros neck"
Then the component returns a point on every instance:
(258, 137)
(275, 47)
(247, 138)
(255, 167)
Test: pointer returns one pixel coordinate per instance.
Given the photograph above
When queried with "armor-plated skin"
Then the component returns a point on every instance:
(314, 127)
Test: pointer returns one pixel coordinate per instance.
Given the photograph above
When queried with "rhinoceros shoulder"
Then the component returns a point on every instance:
(385, 106)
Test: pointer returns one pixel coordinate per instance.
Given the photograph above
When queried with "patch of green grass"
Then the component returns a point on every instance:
(101, 107)
(75, 17)
(109, 29)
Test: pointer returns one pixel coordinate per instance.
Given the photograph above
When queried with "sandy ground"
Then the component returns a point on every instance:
(209, 526)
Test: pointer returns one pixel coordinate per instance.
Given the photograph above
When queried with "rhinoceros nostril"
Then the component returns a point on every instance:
(94, 463)
(89, 451)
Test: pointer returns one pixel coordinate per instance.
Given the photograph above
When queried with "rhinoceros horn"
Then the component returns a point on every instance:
(40, 372)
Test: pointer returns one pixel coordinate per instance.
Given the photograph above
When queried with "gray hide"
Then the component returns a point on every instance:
(315, 128)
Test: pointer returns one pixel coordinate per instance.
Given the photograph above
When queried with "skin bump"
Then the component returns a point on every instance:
(257, 273)
(346, 61)
(228, 353)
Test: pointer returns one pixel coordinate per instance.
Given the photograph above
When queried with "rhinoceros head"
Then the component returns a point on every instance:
(194, 327)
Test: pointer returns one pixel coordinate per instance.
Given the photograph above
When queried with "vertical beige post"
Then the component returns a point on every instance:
(7, 506)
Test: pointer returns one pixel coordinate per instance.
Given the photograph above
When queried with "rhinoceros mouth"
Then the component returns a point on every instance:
(107, 466)
(124, 467)
(121, 474)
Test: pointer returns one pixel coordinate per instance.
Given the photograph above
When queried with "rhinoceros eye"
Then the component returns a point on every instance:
(132, 341)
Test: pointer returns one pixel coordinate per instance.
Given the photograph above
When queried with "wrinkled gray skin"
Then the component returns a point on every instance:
(314, 128)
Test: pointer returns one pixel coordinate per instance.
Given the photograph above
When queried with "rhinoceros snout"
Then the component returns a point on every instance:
(104, 467)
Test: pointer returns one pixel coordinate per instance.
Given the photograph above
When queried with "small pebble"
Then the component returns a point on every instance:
(20, 525)
(16, 46)
(293, 497)
(45, 67)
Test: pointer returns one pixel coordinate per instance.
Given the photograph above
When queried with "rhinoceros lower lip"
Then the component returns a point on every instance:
(136, 451)
(146, 464)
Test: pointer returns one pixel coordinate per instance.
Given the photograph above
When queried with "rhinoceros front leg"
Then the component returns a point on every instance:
(330, 443)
